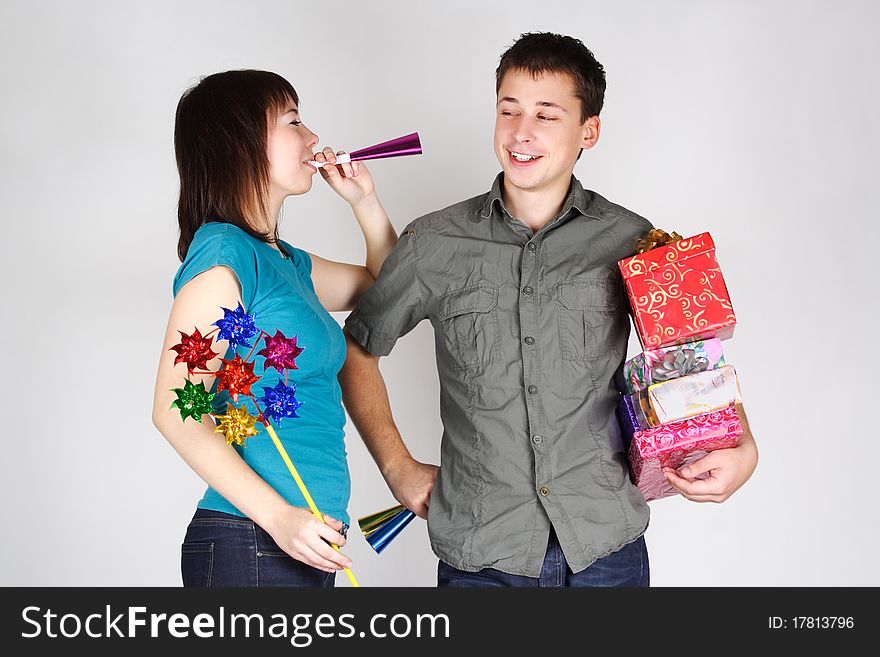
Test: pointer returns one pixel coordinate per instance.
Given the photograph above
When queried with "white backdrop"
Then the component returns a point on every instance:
(755, 120)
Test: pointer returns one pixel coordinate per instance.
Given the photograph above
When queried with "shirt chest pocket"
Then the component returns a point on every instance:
(590, 321)
(468, 320)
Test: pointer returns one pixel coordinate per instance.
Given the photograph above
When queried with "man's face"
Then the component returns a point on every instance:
(538, 130)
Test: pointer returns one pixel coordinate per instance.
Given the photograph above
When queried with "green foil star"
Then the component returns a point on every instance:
(192, 401)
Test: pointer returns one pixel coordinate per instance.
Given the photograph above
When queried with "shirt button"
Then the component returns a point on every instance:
(527, 290)
(532, 247)
(544, 491)
(537, 439)
(533, 389)
(529, 340)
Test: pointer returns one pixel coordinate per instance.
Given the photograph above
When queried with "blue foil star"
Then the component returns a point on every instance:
(280, 402)
(237, 327)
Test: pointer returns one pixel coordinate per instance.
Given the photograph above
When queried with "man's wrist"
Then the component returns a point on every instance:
(392, 465)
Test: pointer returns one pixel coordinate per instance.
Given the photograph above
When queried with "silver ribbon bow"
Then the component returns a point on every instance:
(678, 363)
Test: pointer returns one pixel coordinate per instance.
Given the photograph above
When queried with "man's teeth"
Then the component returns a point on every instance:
(523, 158)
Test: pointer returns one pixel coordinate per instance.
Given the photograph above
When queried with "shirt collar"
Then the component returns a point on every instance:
(578, 198)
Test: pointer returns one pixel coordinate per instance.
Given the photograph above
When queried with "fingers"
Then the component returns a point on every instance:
(314, 556)
(311, 549)
(417, 501)
(333, 522)
(412, 484)
(320, 158)
(301, 550)
(327, 156)
(325, 553)
(306, 541)
(421, 512)
(710, 462)
(333, 536)
(710, 489)
(429, 479)
(419, 506)
(347, 169)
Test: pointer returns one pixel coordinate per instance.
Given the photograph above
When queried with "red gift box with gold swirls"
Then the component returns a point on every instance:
(677, 444)
(677, 293)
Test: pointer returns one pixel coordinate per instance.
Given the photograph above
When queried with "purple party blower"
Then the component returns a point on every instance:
(406, 145)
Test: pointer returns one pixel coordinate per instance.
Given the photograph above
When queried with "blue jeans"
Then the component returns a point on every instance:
(626, 567)
(220, 549)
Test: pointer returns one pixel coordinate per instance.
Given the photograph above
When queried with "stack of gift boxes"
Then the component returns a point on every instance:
(680, 395)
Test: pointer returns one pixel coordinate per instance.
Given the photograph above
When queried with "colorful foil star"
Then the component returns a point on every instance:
(237, 376)
(192, 401)
(237, 424)
(280, 352)
(237, 327)
(280, 402)
(194, 350)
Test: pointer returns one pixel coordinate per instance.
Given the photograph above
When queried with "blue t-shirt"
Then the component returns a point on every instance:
(279, 292)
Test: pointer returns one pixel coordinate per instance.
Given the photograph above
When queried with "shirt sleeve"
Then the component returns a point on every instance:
(394, 305)
(219, 244)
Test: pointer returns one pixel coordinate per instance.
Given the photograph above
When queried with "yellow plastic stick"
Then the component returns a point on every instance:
(304, 491)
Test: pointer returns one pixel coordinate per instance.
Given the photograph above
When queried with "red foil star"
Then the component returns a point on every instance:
(280, 352)
(237, 376)
(194, 350)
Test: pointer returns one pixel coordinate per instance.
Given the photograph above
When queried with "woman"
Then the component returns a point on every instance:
(241, 149)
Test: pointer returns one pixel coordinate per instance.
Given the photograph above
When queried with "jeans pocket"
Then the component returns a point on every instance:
(197, 564)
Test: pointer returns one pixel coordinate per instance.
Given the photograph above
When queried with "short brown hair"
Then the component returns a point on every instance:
(220, 141)
(545, 52)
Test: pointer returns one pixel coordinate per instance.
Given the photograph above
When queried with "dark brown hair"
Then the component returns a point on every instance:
(545, 52)
(220, 138)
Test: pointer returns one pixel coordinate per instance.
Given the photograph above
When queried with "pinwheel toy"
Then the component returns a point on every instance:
(237, 376)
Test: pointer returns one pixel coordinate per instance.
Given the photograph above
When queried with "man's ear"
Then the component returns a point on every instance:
(591, 129)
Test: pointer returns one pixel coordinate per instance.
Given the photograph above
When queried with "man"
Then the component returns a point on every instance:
(530, 320)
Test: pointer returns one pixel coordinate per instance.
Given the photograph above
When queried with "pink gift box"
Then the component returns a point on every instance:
(677, 444)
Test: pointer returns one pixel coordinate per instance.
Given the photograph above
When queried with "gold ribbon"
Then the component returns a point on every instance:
(655, 239)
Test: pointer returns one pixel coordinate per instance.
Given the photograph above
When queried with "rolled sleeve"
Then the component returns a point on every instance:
(394, 305)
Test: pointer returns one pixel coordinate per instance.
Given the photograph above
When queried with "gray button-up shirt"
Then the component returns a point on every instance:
(530, 329)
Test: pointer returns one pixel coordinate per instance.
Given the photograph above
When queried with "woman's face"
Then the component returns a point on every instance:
(289, 150)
